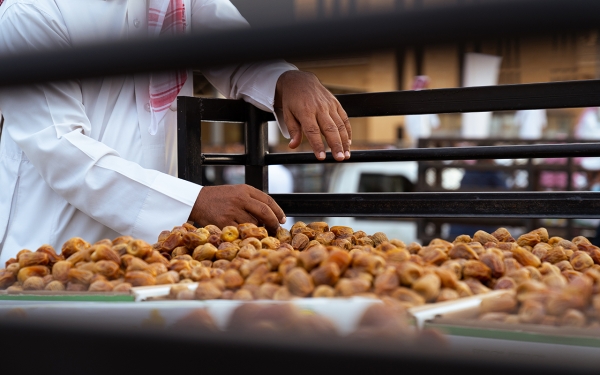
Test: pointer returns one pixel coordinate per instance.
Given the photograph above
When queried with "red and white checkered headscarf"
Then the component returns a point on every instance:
(420, 83)
(165, 17)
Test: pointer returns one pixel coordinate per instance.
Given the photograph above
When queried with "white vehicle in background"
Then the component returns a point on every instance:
(386, 177)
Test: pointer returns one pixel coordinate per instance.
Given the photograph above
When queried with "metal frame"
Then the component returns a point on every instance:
(487, 19)
(235, 353)
(435, 24)
(192, 111)
(430, 228)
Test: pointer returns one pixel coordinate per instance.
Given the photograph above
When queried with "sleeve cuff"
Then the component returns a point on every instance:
(168, 203)
(263, 92)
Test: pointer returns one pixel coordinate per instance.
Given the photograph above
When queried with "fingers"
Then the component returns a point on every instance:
(310, 109)
(293, 128)
(245, 217)
(270, 202)
(313, 134)
(332, 135)
(263, 213)
(235, 204)
(341, 127)
(344, 116)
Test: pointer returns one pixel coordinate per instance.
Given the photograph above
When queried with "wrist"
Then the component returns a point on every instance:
(283, 82)
(278, 101)
(195, 214)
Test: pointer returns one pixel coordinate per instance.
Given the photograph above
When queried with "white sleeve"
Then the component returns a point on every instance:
(253, 82)
(48, 122)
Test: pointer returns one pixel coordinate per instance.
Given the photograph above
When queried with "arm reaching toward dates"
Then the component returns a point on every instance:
(308, 108)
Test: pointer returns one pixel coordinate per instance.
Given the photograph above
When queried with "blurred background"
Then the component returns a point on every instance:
(554, 57)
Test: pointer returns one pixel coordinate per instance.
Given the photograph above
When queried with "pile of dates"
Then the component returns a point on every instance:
(245, 262)
(313, 260)
(105, 266)
(566, 293)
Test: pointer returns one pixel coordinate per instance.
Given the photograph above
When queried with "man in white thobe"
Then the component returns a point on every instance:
(79, 158)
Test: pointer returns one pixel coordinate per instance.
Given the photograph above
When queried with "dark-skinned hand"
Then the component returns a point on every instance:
(310, 108)
(236, 204)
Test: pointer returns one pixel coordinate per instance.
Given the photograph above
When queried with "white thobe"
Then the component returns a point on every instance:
(531, 122)
(76, 157)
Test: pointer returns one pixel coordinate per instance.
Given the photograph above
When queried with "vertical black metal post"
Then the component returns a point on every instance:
(400, 57)
(419, 56)
(461, 62)
(189, 139)
(532, 185)
(570, 229)
(256, 148)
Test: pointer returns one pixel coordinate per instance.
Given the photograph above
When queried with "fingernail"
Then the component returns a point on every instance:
(283, 220)
(321, 155)
(349, 141)
(347, 154)
(340, 155)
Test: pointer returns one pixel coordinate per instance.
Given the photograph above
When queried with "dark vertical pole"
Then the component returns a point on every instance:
(400, 56)
(438, 178)
(189, 139)
(419, 55)
(256, 148)
(461, 63)
(570, 231)
(532, 185)
(421, 230)
(569, 174)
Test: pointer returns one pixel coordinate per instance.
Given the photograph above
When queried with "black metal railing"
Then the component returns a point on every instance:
(318, 40)
(535, 174)
(192, 111)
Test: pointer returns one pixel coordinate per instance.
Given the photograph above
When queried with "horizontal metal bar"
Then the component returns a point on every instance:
(499, 141)
(499, 167)
(227, 110)
(438, 205)
(224, 159)
(572, 94)
(446, 153)
(320, 39)
(297, 353)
